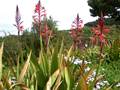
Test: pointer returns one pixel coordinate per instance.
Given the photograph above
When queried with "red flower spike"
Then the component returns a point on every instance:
(40, 12)
(39, 15)
(99, 33)
(46, 33)
(37, 7)
(77, 23)
(76, 30)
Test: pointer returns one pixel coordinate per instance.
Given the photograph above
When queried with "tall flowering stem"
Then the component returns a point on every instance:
(99, 34)
(40, 20)
(76, 32)
(18, 21)
(46, 33)
(99, 37)
(39, 14)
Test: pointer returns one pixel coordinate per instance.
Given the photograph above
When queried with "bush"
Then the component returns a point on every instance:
(114, 52)
(12, 48)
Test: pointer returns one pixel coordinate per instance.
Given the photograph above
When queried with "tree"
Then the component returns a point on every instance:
(109, 8)
(116, 12)
(52, 24)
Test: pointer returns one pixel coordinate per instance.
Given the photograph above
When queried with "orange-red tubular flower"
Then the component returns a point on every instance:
(76, 30)
(39, 13)
(99, 34)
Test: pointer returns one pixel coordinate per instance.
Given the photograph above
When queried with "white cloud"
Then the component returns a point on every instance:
(63, 11)
(66, 10)
(7, 11)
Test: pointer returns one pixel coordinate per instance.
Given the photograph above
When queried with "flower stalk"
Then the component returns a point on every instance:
(76, 32)
(99, 34)
(18, 21)
(40, 20)
(39, 14)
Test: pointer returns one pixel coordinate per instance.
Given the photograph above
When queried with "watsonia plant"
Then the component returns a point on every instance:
(76, 32)
(18, 21)
(99, 38)
(40, 23)
(99, 34)
(39, 14)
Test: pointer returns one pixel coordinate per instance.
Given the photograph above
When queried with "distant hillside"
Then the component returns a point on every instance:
(108, 21)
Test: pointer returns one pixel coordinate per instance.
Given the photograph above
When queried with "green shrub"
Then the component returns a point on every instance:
(12, 48)
(114, 52)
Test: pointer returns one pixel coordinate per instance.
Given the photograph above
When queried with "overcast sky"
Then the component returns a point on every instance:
(63, 11)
